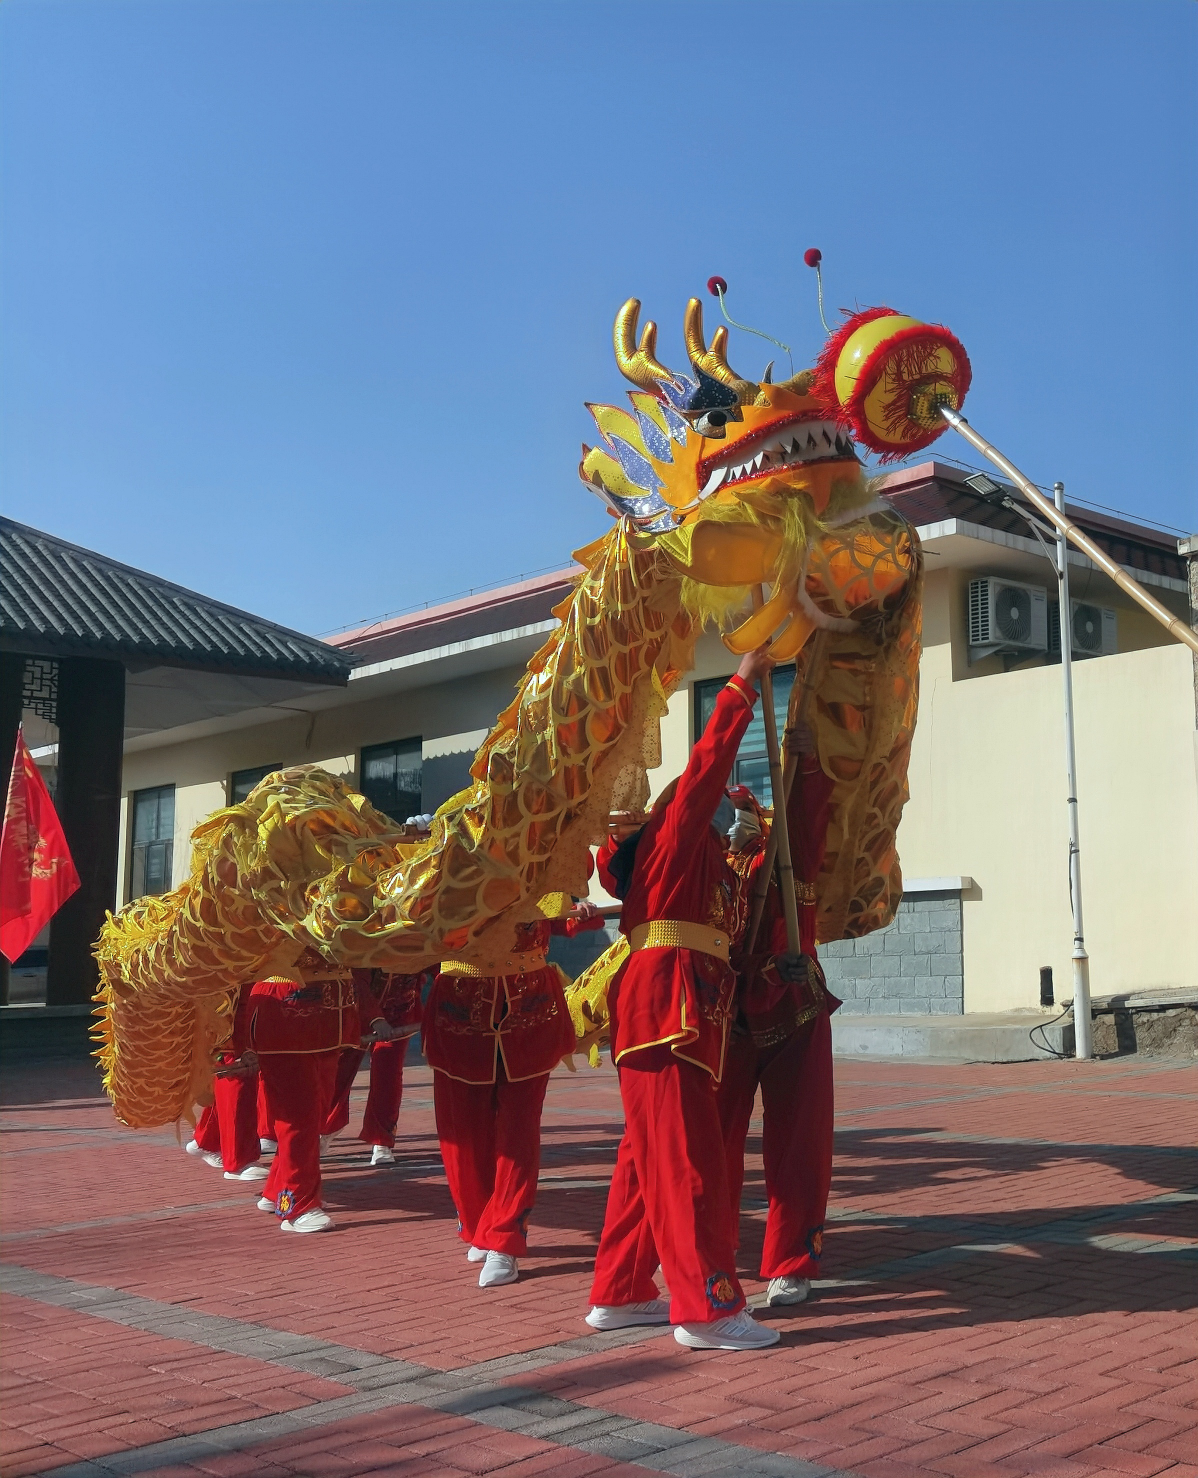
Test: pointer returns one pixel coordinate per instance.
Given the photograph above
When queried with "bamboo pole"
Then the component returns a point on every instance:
(781, 799)
(1056, 517)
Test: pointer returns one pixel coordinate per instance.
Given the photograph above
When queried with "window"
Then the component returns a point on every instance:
(243, 781)
(153, 840)
(391, 778)
(752, 768)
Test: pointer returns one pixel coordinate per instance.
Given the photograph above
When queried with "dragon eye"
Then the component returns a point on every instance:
(712, 423)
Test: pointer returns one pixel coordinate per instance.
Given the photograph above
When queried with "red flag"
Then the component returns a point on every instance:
(37, 875)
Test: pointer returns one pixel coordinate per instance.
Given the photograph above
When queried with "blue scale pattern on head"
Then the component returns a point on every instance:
(656, 441)
(678, 427)
(637, 469)
(700, 394)
(640, 509)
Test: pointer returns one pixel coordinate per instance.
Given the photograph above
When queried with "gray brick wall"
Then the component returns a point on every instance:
(912, 968)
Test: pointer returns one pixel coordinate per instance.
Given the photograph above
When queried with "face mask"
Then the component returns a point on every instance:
(744, 829)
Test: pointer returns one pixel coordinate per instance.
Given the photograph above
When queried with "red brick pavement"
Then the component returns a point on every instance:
(1007, 1291)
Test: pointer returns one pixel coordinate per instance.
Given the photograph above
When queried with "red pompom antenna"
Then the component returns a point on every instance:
(813, 256)
(716, 286)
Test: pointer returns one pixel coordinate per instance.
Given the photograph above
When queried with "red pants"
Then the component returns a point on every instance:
(299, 1088)
(796, 1094)
(266, 1128)
(669, 1195)
(230, 1127)
(490, 1137)
(349, 1060)
(383, 1100)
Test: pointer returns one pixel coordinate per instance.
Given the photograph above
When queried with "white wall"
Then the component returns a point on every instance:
(988, 800)
(451, 718)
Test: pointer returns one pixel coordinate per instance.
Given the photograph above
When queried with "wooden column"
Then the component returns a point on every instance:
(12, 674)
(91, 729)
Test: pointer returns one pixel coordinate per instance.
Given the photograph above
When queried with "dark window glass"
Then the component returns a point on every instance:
(391, 777)
(243, 781)
(752, 767)
(153, 840)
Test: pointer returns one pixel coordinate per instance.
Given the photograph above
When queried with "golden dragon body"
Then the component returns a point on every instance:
(719, 485)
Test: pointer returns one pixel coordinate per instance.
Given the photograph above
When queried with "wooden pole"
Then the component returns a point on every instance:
(786, 883)
(766, 870)
(1101, 558)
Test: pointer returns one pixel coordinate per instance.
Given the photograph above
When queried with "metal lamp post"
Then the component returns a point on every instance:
(1083, 1035)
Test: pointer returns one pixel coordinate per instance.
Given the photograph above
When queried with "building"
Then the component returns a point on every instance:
(984, 840)
(94, 657)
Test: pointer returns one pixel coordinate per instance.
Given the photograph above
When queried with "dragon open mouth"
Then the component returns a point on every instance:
(794, 442)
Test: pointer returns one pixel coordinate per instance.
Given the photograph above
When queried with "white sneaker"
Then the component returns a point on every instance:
(622, 1316)
(248, 1172)
(789, 1289)
(476, 1254)
(191, 1148)
(207, 1156)
(265, 1203)
(325, 1141)
(315, 1220)
(269, 1146)
(498, 1269)
(381, 1155)
(736, 1332)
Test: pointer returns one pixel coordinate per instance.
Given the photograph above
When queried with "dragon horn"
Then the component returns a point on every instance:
(638, 364)
(713, 361)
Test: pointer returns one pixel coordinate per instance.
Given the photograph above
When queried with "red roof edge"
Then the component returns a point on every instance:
(432, 615)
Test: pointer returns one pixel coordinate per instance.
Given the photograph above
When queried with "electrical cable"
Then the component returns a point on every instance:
(1046, 1045)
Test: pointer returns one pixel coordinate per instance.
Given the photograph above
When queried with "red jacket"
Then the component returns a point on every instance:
(678, 996)
(321, 1016)
(471, 1021)
(398, 999)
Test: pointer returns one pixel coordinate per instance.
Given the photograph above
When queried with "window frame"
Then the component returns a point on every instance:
(139, 851)
(412, 743)
(702, 687)
(262, 771)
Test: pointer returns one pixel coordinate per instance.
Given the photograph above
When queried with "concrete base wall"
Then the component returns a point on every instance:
(912, 968)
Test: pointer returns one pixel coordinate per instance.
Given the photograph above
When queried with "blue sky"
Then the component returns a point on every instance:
(300, 302)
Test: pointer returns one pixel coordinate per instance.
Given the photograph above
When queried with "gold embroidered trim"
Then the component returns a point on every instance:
(679, 934)
(513, 965)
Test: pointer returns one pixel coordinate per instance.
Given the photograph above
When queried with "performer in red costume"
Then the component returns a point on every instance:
(670, 1007)
(228, 1130)
(398, 997)
(297, 1027)
(492, 1041)
(782, 1042)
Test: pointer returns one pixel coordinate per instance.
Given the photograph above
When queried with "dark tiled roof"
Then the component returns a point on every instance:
(933, 492)
(509, 608)
(57, 600)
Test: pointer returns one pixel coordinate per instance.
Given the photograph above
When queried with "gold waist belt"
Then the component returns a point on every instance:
(513, 965)
(677, 934)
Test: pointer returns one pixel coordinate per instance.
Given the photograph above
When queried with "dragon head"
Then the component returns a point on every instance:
(745, 483)
(710, 435)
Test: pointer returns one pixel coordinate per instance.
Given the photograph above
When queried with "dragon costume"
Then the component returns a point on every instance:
(719, 485)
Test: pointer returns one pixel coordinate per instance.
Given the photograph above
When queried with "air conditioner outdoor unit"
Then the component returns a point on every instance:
(1006, 617)
(1095, 630)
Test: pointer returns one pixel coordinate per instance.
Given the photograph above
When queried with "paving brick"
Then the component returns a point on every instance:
(1071, 1351)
